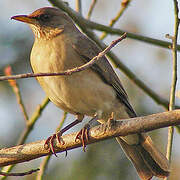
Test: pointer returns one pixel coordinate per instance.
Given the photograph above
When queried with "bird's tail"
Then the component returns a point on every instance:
(146, 158)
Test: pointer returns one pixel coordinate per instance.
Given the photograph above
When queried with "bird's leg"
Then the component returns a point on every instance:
(49, 141)
(83, 134)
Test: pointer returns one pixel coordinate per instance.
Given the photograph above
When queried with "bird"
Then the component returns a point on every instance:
(96, 92)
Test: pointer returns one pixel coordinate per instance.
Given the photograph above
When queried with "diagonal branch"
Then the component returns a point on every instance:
(34, 150)
(16, 90)
(124, 5)
(96, 26)
(93, 3)
(69, 71)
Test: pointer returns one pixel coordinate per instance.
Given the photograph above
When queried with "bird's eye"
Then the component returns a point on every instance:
(44, 17)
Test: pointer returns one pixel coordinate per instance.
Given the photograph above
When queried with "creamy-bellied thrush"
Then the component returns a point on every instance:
(60, 46)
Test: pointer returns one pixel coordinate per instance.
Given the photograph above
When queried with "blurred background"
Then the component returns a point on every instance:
(152, 64)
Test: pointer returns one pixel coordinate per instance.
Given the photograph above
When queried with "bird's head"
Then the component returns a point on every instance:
(46, 22)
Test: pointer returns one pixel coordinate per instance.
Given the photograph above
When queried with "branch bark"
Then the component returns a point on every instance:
(34, 150)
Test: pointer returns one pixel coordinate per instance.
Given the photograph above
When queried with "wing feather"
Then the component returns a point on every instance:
(102, 67)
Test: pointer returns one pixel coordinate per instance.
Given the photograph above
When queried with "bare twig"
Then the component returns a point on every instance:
(93, 3)
(70, 71)
(27, 152)
(79, 6)
(19, 174)
(124, 5)
(174, 79)
(15, 87)
(45, 161)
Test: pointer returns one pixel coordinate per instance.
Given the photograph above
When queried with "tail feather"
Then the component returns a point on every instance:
(147, 160)
(155, 154)
(138, 162)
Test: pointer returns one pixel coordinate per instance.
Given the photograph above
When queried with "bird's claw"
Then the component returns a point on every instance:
(83, 136)
(49, 143)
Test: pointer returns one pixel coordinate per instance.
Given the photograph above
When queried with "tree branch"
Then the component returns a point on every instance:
(16, 90)
(79, 6)
(69, 71)
(19, 174)
(174, 80)
(96, 26)
(124, 5)
(34, 150)
(93, 3)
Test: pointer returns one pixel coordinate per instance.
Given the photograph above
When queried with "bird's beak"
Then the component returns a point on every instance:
(25, 18)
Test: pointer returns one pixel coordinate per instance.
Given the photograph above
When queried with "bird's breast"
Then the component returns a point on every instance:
(83, 92)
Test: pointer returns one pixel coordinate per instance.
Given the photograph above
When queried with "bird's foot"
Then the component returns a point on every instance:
(49, 143)
(83, 136)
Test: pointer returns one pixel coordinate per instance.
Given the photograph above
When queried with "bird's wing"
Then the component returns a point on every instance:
(102, 67)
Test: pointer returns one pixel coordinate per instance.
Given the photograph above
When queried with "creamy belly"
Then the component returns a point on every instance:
(80, 93)
(83, 92)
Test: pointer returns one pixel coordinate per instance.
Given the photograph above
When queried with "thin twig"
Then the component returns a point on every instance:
(19, 174)
(79, 6)
(15, 87)
(174, 79)
(46, 160)
(70, 71)
(34, 150)
(124, 5)
(91, 8)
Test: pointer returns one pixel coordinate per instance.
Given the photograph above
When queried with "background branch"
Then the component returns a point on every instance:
(16, 90)
(91, 8)
(96, 26)
(27, 152)
(124, 5)
(174, 80)
(31, 122)
(79, 6)
(19, 174)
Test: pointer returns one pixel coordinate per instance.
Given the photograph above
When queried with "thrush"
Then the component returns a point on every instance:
(59, 46)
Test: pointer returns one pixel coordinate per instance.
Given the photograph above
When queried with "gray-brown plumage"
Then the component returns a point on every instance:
(59, 46)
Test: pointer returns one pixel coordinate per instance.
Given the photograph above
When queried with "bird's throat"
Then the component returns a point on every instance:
(46, 33)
